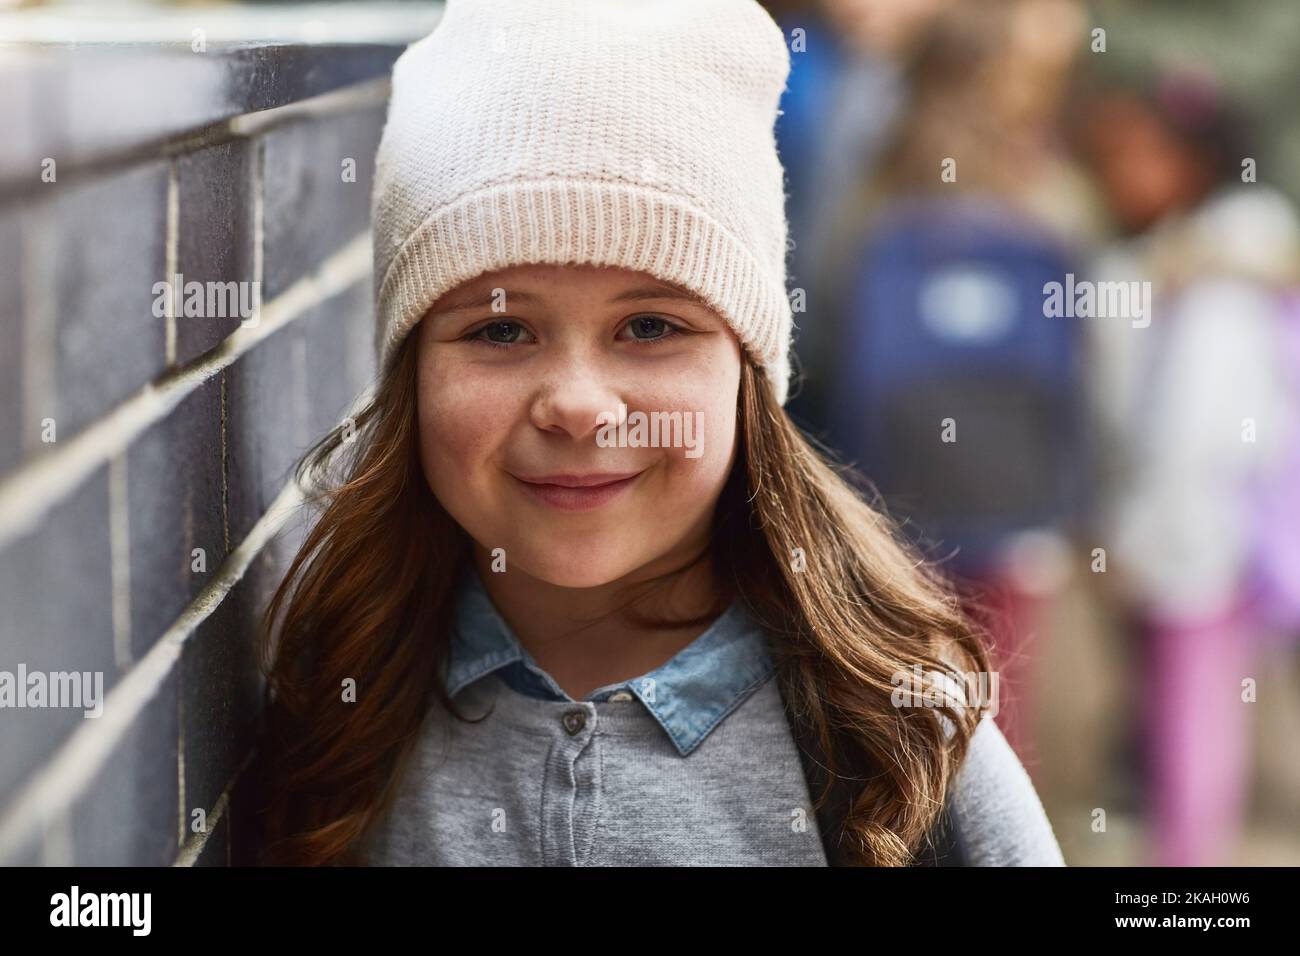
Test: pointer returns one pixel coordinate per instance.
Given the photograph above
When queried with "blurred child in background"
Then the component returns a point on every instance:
(1198, 409)
(846, 91)
(944, 381)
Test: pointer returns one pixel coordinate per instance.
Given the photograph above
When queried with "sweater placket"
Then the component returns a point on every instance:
(571, 788)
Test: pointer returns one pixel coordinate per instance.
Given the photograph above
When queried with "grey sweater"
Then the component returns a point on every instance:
(598, 783)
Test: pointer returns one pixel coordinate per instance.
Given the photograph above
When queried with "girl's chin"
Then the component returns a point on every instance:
(579, 567)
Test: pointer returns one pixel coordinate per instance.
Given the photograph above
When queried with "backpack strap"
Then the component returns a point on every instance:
(942, 845)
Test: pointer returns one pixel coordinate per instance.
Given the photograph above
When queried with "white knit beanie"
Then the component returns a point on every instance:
(630, 133)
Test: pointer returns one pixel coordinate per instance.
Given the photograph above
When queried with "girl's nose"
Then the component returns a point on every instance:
(573, 401)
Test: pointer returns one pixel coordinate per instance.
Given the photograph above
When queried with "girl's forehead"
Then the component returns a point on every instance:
(544, 281)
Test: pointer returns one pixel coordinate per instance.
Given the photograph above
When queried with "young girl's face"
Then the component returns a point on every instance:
(521, 376)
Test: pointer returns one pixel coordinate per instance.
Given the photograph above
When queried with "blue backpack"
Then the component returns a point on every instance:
(945, 326)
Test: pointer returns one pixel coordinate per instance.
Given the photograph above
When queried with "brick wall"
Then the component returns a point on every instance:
(144, 539)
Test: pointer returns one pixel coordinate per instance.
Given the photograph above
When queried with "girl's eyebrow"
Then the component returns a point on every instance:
(658, 292)
(469, 301)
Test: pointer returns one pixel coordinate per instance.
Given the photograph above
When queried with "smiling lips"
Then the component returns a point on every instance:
(578, 492)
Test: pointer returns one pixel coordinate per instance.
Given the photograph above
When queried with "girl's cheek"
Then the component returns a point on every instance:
(465, 418)
(706, 401)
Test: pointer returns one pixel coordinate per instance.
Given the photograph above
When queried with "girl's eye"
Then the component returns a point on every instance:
(651, 328)
(504, 333)
(500, 334)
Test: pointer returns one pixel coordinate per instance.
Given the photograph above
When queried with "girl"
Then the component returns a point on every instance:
(526, 628)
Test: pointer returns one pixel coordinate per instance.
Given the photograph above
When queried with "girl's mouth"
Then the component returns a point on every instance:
(577, 492)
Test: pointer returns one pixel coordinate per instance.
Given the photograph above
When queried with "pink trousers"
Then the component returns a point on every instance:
(1196, 736)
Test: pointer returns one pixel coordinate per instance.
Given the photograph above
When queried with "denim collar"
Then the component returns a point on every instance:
(688, 695)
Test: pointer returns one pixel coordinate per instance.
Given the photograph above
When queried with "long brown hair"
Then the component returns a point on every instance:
(848, 606)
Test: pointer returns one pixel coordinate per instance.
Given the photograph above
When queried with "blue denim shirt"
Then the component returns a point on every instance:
(688, 695)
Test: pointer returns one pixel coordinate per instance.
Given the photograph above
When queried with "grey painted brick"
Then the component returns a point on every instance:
(56, 595)
(82, 101)
(174, 480)
(245, 828)
(273, 561)
(214, 234)
(216, 852)
(221, 687)
(265, 426)
(228, 709)
(331, 332)
(309, 211)
(128, 815)
(29, 852)
(11, 338)
(105, 243)
(362, 361)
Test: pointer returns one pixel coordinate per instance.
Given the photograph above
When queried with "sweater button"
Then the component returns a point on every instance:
(574, 721)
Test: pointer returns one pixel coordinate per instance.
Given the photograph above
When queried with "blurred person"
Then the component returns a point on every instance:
(938, 314)
(1198, 409)
(845, 93)
(872, 41)
(985, 87)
